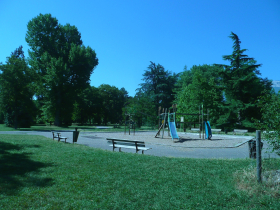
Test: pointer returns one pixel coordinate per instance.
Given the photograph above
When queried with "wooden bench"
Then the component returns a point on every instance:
(239, 131)
(129, 144)
(58, 136)
(194, 129)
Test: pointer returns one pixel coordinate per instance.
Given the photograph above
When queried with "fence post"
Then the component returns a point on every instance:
(259, 156)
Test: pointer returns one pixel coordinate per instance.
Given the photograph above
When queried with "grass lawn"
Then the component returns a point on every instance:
(39, 173)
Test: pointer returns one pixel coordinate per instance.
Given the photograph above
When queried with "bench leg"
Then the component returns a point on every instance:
(120, 149)
(142, 152)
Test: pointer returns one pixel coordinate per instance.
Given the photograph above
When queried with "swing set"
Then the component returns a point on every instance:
(203, 126)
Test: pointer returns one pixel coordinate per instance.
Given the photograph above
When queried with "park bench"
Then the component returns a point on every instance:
(239, 131)
(116, 126)
(58, 136)
(216, 130)
(129, 144)
(194, 129)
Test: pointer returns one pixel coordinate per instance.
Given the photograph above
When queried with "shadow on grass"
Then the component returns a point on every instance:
(17, 170)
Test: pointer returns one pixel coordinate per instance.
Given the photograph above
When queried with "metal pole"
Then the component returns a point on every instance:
(202, 124)
(199, 119)
(259, 156)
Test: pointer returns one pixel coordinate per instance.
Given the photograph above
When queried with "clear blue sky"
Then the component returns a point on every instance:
(128, 34)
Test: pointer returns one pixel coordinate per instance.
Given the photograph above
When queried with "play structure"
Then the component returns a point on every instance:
(131, 123)
(172, 131)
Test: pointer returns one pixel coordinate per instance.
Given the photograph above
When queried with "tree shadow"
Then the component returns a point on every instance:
(182, 140)
(17, 170)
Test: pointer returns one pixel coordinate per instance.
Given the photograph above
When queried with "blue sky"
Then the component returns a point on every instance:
(128, 34)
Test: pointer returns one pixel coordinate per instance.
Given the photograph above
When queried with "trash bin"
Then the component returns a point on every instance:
(75, 135)
(253, 148)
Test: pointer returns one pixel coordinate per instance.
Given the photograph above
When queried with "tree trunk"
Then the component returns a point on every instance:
(57, 120)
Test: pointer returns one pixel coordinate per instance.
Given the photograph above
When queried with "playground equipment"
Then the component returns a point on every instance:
(172, 122)
(162, 119)
(172, 126)
(131, 123)
(208, 132)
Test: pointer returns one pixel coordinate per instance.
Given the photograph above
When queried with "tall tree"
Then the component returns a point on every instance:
(242, 86)
(62, 63)
(16, 91)
(113, 101)
(159, 85)
(201, 85)
(88, 106)
(269, 104)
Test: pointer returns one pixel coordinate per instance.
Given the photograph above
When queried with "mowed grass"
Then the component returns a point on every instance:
(39, 173)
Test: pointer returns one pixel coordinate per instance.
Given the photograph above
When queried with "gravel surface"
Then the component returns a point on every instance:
(186, 139)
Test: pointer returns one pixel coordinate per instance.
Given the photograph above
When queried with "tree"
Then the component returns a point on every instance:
(142, 108)
(269, 104)
(113, 101)
(242, 86)
(88, 106)
(201, 85)
(62, 63)
(16, 91)
(158, 85)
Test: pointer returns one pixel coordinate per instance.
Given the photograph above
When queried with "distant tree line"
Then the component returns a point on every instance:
(53, 86)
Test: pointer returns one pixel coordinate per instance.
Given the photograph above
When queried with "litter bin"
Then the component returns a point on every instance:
(253, 148)
(75, 135)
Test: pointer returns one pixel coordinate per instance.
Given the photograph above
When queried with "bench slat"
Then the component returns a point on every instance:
(125, 140)
(131, 147)
(126, 143)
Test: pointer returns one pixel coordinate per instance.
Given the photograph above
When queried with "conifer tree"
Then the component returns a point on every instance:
(242, 87)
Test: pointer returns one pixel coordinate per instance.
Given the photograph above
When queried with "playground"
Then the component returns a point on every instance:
(190, 140)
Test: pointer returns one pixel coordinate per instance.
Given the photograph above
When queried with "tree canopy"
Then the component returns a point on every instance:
(16, 91)
(242, 86)
(62, 63)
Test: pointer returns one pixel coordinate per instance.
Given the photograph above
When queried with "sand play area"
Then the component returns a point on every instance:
(188, 140)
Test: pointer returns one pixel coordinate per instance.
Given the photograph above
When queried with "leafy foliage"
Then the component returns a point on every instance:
(16, 91)
(113, 100)
(158, 86)
(201, 85)
(269, 104)
(62, 63)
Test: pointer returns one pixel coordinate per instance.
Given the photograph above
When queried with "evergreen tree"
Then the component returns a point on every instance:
(159, 86)
(242, 87)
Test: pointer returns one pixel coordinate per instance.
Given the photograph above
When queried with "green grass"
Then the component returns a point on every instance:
(39, 173)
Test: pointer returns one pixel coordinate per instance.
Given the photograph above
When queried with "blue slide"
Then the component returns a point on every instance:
(173, 131)
(208, 132)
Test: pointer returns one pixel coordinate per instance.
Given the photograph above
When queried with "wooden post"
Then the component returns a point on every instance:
(207, 114)
(168, 127)
(159, 117)
(259, 156)
(164, 123)
(125, 124)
